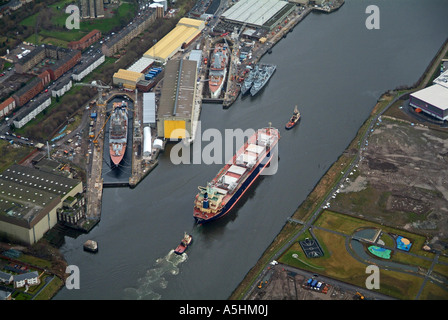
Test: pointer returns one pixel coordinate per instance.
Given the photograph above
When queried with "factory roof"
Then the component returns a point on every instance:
(177, 96)
(185, 30)
(254, 12)
(128, 75)
(141, 64)
(25, 192)
(149, 107)
(436, 95)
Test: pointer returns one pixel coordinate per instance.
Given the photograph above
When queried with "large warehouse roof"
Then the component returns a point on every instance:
(254, 12)
(178, 90)
(436, 95)
(185, 30)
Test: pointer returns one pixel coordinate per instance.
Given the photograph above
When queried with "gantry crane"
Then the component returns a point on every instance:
(99, 86)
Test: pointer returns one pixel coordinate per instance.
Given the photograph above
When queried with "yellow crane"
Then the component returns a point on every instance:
(95, 140)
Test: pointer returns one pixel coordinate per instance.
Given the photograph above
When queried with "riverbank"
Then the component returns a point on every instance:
(310, 209)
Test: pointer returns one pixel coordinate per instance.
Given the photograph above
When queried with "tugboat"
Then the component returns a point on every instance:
(294, 119)
(186, 241)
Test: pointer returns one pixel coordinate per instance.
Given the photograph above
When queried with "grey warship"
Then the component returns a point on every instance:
(265, 71)
(249, 80)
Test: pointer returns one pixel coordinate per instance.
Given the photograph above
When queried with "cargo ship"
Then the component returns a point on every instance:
(218, 70)
(249, 80)
(118, 132)
(230, 184)
(265, 71)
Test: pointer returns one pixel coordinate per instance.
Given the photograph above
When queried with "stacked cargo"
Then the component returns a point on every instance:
(153, 72)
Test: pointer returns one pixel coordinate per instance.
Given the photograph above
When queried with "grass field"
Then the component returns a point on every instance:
(10, 154)
(337, 263)
(63, 35)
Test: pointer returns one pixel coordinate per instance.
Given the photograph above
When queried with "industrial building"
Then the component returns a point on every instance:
(149, 109)
(433, 100)
(185, 32)
(141, 65)
(128, 79)
(29, 199)
(196, 55)
(175, 111)
(266, 14)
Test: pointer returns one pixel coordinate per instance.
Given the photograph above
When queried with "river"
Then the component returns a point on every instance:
(334, 69)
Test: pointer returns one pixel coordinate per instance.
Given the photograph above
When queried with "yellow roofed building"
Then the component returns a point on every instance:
(127, 78)
(185, 32)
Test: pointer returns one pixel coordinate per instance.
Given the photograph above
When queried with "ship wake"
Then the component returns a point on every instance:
(149, 286)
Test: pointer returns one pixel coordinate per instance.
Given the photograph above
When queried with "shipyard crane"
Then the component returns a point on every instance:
(99, 86)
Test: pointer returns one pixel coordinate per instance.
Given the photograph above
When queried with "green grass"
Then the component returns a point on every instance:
(10, 154)
(50, 290)
(123, 13)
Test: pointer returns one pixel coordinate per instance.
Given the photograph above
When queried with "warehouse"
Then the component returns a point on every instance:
(432, 100)
(149, 108)
(196, 55)
(128, 79)
(174, 115)
(141, 65)
(266, 14)
(29, 199)
(185, 32)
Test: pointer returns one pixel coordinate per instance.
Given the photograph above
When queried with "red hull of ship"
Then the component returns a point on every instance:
(116, 159)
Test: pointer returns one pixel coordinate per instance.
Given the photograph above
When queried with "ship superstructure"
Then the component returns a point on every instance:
(265, 71)
(249, 80)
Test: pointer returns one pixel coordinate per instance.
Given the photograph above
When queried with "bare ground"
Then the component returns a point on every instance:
(402, 180)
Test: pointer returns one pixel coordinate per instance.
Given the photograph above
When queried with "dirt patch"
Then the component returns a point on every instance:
(401, 180)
